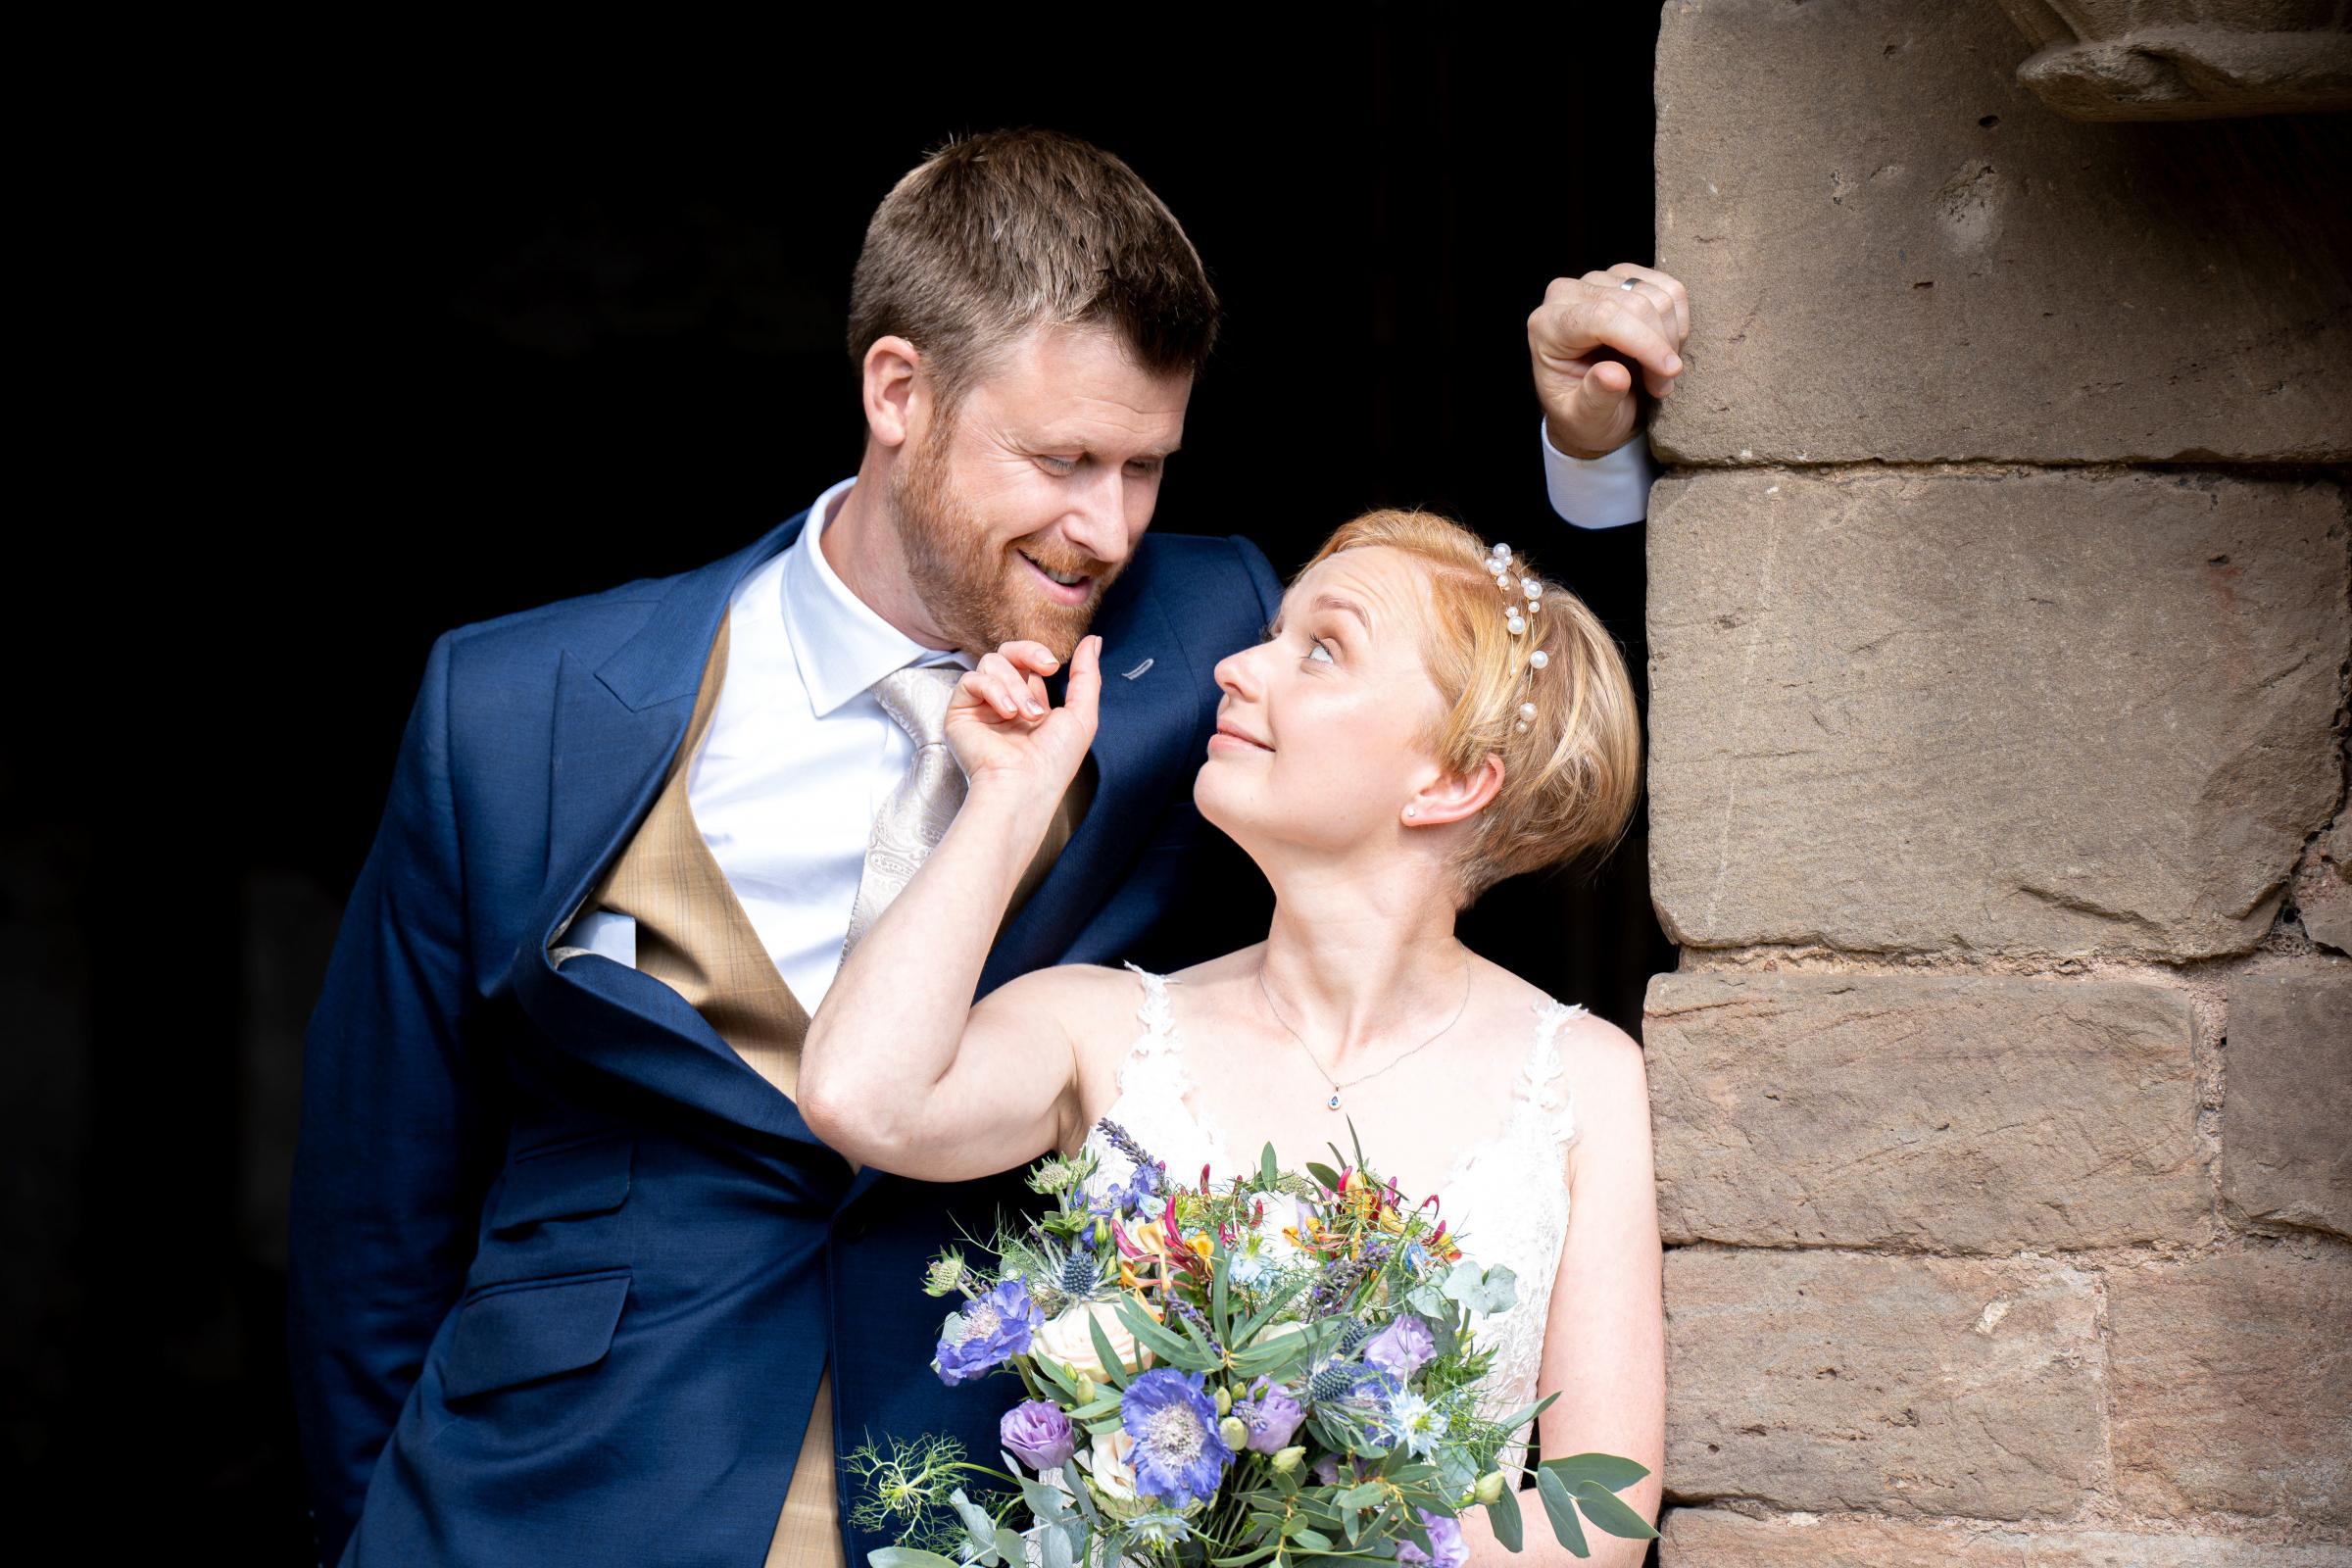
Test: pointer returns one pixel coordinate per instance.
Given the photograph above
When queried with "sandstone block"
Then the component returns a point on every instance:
(1964, 1112)
(1908, 1386)
(2231, 1378)
(1895, 251)
(2287, 1098)
(2030, 711)
(1717, 1537)
(2324, 889)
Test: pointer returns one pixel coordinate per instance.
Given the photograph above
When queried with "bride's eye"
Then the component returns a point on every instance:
(1317, 648)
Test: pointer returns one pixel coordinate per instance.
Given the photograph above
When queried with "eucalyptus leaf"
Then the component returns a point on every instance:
(1077, 1486)
(1608, 1512)
(1488, 1291)
(1311, 1540)
(908, 1557)
(1504, 1514)
(1060, 1550)
(1606, 1470)
(1325, 1174)
(1244, 1560)
(1562, 1509)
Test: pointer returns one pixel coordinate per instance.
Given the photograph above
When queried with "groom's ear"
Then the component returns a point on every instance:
(1452, 797)
(893, 388)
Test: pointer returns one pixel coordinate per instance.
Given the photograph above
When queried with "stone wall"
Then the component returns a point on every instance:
(2002, 623)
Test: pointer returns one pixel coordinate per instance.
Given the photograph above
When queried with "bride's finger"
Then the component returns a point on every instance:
(1010, 680)
(1085, 693)
(1035, 657)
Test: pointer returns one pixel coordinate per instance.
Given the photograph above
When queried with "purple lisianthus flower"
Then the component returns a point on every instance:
(1273, 1419)
(1327, 1470)
(1403, 1348)
(1179, 1455)
(1445, 1541)
(997, 1326)
(1039, 1434)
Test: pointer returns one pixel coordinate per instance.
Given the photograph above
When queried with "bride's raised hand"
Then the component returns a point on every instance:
(1004, 729)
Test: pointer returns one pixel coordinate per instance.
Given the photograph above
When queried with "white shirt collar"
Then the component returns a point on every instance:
(841, 645)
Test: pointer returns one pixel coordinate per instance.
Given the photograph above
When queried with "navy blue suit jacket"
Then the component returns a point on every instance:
(565, 1271)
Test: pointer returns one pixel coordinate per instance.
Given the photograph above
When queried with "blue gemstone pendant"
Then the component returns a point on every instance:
(1334, 1101)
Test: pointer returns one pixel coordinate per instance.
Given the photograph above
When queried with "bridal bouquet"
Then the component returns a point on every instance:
(1278, 1368)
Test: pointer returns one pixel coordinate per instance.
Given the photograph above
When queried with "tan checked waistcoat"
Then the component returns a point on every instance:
(694, 936)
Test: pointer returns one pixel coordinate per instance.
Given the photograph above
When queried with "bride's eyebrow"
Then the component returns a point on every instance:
(1335, 602)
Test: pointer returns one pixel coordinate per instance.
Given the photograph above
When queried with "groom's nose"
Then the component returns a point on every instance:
(1100, 523)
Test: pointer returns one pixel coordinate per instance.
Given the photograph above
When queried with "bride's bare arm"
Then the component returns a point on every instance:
(900, 1070)
(1604, 1343)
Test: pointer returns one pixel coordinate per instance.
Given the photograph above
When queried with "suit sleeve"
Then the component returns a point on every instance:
(395, 1138)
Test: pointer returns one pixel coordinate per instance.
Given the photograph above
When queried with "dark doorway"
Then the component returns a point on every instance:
(541, 323)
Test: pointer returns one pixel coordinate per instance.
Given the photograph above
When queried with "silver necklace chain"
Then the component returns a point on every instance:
(1333, 1103)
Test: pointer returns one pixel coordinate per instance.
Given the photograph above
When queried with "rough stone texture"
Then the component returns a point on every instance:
(1900, 1384)
(2324, 887)
(2185, 58)
(1717, 1537)
(2028, 711)
(1897, 253)
(2231, 1377)
(2286, 1099)
(1958, 1113)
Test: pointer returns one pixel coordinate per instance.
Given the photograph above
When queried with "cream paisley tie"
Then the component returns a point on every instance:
(916, 815)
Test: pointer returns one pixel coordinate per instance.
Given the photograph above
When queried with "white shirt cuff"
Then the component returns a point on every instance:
(1605, 492)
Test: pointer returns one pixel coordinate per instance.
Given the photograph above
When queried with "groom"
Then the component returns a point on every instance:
(571, 1280)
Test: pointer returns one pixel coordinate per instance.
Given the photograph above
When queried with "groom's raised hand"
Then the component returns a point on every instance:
(1574, 336)
(1004, 728)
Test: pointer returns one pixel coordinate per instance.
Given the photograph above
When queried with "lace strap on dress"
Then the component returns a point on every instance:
(1159, 1018)
(1539, 1093)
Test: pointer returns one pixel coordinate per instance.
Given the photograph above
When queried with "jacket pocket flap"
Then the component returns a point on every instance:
(583, 1178)
(535, 1329)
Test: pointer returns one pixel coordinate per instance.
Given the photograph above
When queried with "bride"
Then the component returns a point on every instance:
(1421, 721)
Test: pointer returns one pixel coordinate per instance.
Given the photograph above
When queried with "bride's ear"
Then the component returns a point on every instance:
(1452, 797)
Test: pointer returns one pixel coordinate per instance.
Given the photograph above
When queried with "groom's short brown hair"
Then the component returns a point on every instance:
(994, 235)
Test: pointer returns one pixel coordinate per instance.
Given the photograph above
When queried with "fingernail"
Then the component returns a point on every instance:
(1674, 363)
(1032, 710)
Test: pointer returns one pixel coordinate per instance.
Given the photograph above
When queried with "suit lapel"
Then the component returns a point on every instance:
(617, 728)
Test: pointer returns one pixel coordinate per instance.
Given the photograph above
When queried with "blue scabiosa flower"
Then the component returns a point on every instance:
(1179, 1454)
(991, 1329)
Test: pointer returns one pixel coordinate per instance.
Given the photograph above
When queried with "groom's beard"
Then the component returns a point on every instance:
(980, 594)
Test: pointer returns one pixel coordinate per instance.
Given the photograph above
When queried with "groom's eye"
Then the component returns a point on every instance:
(1058, 464)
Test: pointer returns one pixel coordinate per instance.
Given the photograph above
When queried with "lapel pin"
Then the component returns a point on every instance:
(1137, 671)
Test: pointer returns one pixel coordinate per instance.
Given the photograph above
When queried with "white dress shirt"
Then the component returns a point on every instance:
(1605, 492)
(798, 759)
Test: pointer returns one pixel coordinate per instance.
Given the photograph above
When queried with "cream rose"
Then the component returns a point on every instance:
(1111, 1465)
(1066, 1339)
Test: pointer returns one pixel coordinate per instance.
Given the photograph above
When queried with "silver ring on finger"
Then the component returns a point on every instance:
(1627, 285)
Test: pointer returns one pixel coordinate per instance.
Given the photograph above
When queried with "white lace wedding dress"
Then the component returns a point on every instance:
(1507, 1197)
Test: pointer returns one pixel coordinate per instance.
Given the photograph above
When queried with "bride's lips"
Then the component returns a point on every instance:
(1235, 739)
(1071, 593)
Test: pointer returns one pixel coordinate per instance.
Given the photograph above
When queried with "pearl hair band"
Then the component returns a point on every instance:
(1500, 561)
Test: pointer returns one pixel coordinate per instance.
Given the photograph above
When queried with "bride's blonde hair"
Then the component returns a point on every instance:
(1571, 770)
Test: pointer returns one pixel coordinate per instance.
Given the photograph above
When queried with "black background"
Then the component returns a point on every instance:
(458, 331)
